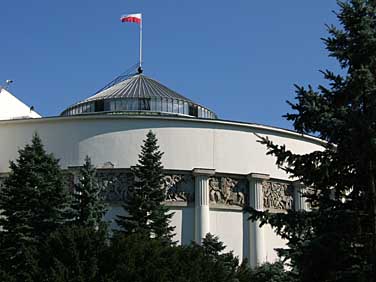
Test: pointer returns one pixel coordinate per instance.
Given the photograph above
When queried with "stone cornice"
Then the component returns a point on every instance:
(260, 176)
(203, 171)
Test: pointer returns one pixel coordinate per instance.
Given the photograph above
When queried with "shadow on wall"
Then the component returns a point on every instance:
(187, 226)
(246, 242)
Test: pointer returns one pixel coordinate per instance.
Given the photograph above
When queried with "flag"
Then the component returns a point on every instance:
(133, 18)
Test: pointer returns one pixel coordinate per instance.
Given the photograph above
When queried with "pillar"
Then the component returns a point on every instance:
(202, 215)
(256, 254)
(299, 199)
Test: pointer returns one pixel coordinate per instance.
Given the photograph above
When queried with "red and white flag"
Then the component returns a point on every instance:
(132, 18)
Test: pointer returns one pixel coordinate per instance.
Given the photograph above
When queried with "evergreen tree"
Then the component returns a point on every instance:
(140, 258)
(213, 248)
(137, 257)
(5, 277)
(271, 272)
(88, 204)
(145, 212)
(72, 254)
(336, 241)
(212, 245)
(33, 202)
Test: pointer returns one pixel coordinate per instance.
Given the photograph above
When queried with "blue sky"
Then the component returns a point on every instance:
(240, 58)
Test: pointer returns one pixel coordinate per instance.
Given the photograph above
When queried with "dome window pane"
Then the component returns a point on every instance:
(99, 106)
(175, 108)
(164, 105)
(144, 104)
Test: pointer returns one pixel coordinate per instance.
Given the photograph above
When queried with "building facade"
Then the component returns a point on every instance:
(213, 168)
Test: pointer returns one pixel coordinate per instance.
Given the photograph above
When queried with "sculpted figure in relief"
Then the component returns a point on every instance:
(115, 185)
(223, 191)
(277, 195)
(170, 184)
(215, 190)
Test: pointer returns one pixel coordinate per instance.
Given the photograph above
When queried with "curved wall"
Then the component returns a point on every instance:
(188, 143)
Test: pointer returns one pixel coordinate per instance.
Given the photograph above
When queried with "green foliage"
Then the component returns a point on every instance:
(33, 202)
(212, 245)
(145, 212)
(139, 258)
(336, 241)
(222, 265)
(88, 204)
(6, 277)
(136, 257)
(72, 254)
(271, 272)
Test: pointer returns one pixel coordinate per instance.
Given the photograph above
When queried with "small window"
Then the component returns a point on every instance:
(186, 112)
(107, 105)
(181, 107)
(175, 106)
(164, 105)
(169, 105)
(144, 104)
(113, 105)
(193, 111)
(99, 106)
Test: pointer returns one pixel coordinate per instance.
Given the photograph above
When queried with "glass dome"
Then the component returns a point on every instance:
(139, 94)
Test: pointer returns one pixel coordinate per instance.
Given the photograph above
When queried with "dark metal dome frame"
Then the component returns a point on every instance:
(138, 94)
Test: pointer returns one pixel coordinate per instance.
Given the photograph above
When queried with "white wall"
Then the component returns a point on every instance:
(228, 226)
(183, 220)
(187, 143)
(272, 241)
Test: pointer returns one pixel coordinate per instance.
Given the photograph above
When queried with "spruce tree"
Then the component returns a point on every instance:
(336, 240)
(73, 254)
(214, 249)
(146, 213)
(88, 203)
(212, 246)
(270, 272)
(33, 204)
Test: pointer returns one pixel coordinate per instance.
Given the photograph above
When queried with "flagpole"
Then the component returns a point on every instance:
(141, 43)
(135, 18)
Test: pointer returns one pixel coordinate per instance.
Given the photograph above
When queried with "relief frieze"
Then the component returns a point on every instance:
(277, 195)
(227, 191)
(178, 188)
(114, 184)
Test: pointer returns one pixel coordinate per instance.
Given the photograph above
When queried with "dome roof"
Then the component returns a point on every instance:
(138, 94)
(138, 86)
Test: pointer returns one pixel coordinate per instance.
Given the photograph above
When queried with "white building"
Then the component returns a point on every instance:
(12, 108)
(213, 167)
